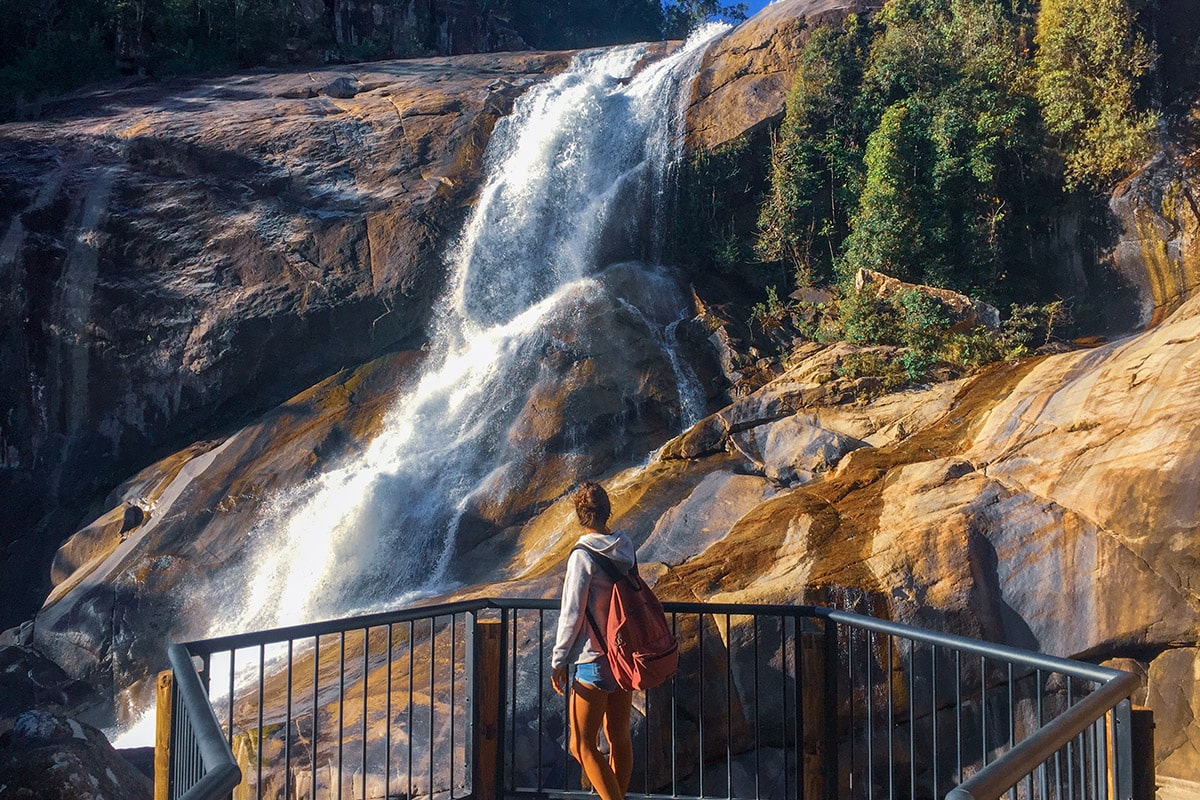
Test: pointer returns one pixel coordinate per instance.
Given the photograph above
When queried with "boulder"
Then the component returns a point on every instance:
(343, 87)
(46, 756)
(965, 313)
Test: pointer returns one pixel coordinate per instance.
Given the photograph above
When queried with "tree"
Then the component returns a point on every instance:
(1087, 66)
(683, 16)
(949, 168)
(816, 157)
(889, 231)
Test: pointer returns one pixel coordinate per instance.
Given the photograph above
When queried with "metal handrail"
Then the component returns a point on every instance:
(203, 647)
(998, 777)
(1076, 669)
(991, 782)
(221, 772)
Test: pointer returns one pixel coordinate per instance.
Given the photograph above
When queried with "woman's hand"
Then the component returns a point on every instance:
(558, 679)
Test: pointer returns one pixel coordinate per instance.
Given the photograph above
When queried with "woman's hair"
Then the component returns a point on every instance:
(591, 505)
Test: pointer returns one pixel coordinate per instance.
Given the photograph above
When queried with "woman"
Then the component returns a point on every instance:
(596, 700)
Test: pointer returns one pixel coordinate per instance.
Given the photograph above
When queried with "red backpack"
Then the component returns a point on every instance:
(639, 644)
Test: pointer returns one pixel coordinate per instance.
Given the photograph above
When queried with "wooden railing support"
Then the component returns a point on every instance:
(165, 691)
(486, 669)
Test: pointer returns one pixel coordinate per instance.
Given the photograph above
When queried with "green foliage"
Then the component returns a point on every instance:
(948, 167)
(928, 143)
(922, 329)
(887, 234)
(771, 315)
(1088, 63)
(684, 16)
(816, 162)
(891, 371)
(716, 201)
(49, 46)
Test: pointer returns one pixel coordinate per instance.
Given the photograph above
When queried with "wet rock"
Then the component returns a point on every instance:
(184, 255)
(29, 680)
(107, 622)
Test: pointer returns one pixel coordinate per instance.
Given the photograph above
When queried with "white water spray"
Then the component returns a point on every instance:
(577, 178)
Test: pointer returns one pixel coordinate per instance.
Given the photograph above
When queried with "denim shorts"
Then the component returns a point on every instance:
(596, 674)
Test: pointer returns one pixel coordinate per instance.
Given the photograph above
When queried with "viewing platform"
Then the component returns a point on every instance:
(771, 702)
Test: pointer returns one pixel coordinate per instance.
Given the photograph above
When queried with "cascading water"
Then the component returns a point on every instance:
(577, 179)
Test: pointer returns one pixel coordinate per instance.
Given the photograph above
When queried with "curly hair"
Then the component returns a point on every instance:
(592, 505)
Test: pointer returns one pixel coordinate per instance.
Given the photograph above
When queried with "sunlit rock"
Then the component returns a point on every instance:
(747, 74)
(965, 313)
(706, 515)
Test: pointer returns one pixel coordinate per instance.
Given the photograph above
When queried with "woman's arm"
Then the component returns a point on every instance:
(573, 609)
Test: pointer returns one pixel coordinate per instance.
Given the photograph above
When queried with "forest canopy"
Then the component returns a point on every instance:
(51, 46)
(938, 142)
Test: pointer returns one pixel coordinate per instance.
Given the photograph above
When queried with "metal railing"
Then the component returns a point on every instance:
(789, 702)
(205, 767)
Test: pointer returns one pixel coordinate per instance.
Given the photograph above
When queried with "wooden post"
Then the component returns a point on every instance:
(485, 697)
(811, 694)
(165, 691)
(1142, 720)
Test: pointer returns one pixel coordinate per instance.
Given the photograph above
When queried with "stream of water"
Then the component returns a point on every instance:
(577, 180)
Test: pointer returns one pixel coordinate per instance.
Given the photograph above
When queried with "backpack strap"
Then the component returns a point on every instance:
(615, 574)
(610, 569)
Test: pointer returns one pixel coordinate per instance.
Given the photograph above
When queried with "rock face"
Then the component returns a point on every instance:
(1159, 249)
(747, 74)
(1005, 506)
(179, 255)
(603, 396)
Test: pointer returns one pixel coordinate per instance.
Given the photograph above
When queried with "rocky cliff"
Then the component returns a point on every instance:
(179, 257)
(178, 265)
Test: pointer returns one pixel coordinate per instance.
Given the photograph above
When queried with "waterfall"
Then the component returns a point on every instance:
(569, 217)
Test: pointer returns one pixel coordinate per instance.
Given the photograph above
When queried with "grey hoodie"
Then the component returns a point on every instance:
(587, 582)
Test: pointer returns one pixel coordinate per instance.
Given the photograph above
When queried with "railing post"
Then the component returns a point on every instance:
(1141, 736)
(484, 658)
(832, 773)
(164, 698)
(811, 707)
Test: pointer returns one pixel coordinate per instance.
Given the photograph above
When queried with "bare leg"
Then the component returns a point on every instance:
(588, 707)
(620, 744)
